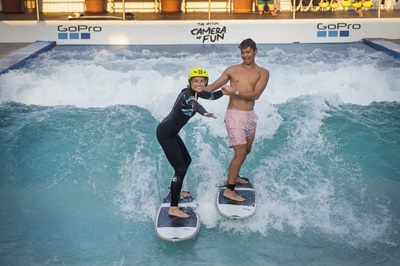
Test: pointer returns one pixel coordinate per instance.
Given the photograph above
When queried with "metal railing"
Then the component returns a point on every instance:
(294, 6)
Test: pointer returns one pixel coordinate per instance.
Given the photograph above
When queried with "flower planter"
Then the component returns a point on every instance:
(242, 6)
(170, 6)
(94, 6)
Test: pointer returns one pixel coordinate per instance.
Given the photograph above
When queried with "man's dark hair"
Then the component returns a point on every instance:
(248, 43)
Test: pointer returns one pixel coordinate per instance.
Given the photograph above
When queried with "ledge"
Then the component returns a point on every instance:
(384, 45)
(19, 58)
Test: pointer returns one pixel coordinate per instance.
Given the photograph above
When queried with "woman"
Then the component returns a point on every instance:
(185, 107)
(358, 5)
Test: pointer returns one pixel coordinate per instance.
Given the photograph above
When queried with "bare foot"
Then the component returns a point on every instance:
(176, 212)
(230, 194)
(241, 180)
(185, 194)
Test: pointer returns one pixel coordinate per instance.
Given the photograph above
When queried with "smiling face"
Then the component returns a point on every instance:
(248, 55)
(198, 83)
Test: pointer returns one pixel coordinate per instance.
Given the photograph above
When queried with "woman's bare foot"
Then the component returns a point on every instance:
(176, 212)
(230, 194)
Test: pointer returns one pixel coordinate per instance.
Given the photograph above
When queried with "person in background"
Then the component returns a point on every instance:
(247, 83)
(185, 107)
(358, 7)
(267, 6)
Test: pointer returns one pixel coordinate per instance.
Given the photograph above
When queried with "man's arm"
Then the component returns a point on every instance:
(222, 80)
(249, 95)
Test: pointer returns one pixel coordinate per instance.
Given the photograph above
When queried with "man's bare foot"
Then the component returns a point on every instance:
(176, 212)
(241, 180)
(230, 194)
(185, 194)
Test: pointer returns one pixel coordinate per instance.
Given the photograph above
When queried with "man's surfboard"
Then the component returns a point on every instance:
(176, 229)
(234, 209)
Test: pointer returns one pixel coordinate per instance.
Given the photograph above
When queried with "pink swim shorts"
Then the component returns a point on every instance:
(240, 125)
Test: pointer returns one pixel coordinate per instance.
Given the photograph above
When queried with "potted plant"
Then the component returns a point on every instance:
(11, 6)
(94, 6)
(242, 6)
(170, 6)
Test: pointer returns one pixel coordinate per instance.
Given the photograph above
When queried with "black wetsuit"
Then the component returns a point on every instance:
(185, 107)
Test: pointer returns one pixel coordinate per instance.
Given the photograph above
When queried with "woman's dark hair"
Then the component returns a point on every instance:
(248, 43)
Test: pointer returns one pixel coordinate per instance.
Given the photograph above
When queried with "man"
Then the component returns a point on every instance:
(247, 83)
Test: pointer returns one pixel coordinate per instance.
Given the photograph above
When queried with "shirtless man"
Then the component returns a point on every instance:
(247, 83)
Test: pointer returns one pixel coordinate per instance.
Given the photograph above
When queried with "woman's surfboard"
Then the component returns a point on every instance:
(234, 209)
(176, 229)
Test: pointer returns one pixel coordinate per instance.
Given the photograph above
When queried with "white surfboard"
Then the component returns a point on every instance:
(176, 229)
(78, 16)
(234, 209)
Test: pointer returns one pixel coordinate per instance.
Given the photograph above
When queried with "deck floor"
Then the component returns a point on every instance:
(205, 16)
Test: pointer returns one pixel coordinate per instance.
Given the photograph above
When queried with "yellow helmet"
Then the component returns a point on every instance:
(197, 72)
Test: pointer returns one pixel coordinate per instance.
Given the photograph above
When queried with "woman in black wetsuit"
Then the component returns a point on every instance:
(185, 107)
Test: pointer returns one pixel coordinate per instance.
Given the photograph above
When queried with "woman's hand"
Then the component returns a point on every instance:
(210, 115)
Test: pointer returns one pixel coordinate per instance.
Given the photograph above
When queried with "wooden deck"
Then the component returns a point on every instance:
(141, 16)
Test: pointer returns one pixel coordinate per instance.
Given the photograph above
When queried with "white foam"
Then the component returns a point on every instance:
(137, 195)
(296, 191)
(99, 78)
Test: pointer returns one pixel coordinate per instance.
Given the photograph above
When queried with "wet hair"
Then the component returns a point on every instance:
(248, 43)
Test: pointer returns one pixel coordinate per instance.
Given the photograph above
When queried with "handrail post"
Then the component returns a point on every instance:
(379, 8)
(37, 10)
(123, 9)
(209, 9)
(294, 9)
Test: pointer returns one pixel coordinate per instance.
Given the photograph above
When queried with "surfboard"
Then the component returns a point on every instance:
(234, 209)
(176, 229)
(82, 16)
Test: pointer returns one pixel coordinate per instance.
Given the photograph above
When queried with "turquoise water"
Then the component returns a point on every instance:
(82, 174)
